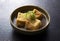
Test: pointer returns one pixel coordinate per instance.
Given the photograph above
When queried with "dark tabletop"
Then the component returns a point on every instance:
(8, 6)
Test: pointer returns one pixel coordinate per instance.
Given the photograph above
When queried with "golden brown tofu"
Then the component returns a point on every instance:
(37, 13)
(29, 20)
(19, 14)
(29, 26)
(20, 21)
(33, 25)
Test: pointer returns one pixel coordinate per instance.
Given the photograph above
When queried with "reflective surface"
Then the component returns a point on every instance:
(8, 6)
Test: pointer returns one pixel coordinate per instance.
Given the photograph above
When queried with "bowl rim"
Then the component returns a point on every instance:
(31, 30)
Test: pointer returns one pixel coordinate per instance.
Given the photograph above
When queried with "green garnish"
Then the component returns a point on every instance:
(30, 15)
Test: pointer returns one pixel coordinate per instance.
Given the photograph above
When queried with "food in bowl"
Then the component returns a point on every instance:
(17, 25)
(30, 20)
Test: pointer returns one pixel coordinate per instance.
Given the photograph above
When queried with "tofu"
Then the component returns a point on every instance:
(33, 25)
(19, 14)
(20, 21)
(37, 23)
(24, 21)
(37, 13)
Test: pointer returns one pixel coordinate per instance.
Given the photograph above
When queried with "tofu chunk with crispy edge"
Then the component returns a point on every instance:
(20, 21)
(33, 25)
(37, 13)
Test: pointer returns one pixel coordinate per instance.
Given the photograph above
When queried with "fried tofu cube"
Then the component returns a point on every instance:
(33, 25)
(37, 13)
(20, 21)
(37, 23)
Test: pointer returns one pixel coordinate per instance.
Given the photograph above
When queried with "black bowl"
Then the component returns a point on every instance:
(25, 9)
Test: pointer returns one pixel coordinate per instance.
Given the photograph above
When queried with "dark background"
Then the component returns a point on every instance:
(8, 6)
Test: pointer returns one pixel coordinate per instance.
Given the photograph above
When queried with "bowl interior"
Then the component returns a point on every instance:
(28, 8)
